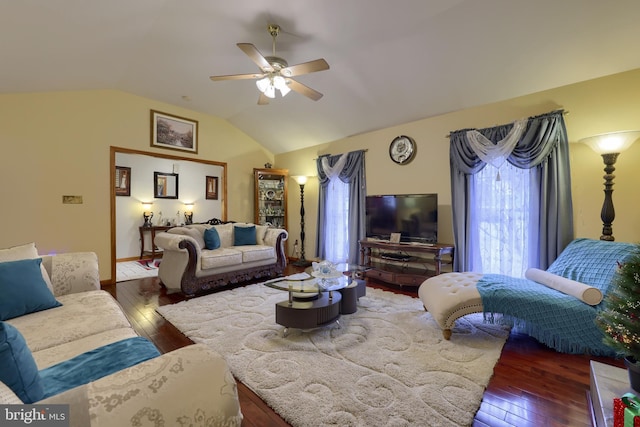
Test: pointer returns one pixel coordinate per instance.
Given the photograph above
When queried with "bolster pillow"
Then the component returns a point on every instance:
(586, 293)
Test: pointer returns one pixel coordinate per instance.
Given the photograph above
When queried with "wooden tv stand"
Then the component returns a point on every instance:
(414, 264)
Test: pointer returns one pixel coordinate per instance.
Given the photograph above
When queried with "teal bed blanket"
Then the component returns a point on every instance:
(559, 321)
(96, 364)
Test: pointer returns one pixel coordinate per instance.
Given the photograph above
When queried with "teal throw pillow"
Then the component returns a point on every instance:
(243, 236)
(22, 289)
(18, 370)
(211, 238)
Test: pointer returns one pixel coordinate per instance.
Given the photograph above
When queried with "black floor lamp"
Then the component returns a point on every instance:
(609, 146)
(302, 261)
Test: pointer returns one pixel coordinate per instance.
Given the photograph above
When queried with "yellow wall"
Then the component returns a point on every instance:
(597, 106)
(56, 144)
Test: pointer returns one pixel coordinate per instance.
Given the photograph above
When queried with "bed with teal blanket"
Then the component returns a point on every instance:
(560, 321)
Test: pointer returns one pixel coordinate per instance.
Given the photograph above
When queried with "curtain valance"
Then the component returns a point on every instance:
(345, 166)
(540, 137)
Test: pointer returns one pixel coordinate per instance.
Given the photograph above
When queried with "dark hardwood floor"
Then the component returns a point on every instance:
(531, 385)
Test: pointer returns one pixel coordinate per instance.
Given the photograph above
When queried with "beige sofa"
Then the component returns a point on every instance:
(188, 266)
(178, 388)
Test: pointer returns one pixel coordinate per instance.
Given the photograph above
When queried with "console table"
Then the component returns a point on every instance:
(414, 264)
(153, 230)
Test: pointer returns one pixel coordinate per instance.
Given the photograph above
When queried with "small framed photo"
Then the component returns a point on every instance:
(395, 238)
(123, 181)
(211, 188)
(173, 132)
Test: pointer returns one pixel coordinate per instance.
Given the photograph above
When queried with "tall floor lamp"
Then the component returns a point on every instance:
(301, 262)
(610, 145)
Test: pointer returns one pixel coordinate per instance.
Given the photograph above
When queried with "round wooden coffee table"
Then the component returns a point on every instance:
(312, 303)
(318, 312)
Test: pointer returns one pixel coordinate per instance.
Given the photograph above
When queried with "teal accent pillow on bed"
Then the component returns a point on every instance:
(243, 236)
(22, 289)
(211, 238)
(18, 370)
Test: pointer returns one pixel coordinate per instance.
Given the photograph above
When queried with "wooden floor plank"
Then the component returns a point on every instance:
(532, 385)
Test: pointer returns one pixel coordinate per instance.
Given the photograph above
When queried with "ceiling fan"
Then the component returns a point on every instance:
(276, 72)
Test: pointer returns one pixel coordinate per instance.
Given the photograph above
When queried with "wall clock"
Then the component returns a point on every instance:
(402, 149)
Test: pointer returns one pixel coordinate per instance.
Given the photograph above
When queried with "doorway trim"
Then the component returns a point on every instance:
(112, 174)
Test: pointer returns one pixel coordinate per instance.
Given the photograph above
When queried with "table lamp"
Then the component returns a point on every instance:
(147, 214)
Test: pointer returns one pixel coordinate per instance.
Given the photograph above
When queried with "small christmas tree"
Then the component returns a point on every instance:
(619, 319)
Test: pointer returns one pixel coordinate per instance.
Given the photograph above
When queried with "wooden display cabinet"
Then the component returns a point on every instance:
(271, 197)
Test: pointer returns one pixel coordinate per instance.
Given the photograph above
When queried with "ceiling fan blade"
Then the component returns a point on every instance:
(305, 68)
(262, 99)
(236, 77)
(304, 90)
(255, 55)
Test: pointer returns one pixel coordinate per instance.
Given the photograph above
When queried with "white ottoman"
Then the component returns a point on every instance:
(449, 296)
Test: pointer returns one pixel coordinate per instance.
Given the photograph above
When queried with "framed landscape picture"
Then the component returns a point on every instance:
(123, 181)
(211, 188)
(173, 132)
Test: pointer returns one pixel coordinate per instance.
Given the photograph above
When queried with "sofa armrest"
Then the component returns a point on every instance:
(192, 384)
(171, 242)
(180, 252)
(72, 272)
(276, 237)
(272, 235)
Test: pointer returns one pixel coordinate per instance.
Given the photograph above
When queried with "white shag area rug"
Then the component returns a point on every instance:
(386, 365)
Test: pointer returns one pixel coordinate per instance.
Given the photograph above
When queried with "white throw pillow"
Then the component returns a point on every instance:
(26, 251)
(225, 231)
(261, 231)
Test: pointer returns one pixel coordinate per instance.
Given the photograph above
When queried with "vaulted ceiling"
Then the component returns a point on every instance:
(391, 62)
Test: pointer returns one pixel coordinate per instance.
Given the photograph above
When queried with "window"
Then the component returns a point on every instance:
(500, 219)
(337, 226)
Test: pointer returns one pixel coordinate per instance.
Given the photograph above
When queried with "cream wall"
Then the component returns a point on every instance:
(597, 106)
(58, 143)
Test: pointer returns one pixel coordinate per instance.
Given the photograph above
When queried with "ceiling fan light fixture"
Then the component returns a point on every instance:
(280, 83)
(270, 91)
(263, 84)
(284, 90)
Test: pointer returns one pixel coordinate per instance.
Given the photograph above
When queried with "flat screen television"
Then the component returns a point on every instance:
(414, 216)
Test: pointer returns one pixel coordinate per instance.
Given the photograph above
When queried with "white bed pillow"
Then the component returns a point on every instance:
(585, 293)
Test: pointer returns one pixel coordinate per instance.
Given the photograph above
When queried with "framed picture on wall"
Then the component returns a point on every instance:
(123, 181)
(211, 188)
(165, 185)
(173, 132)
